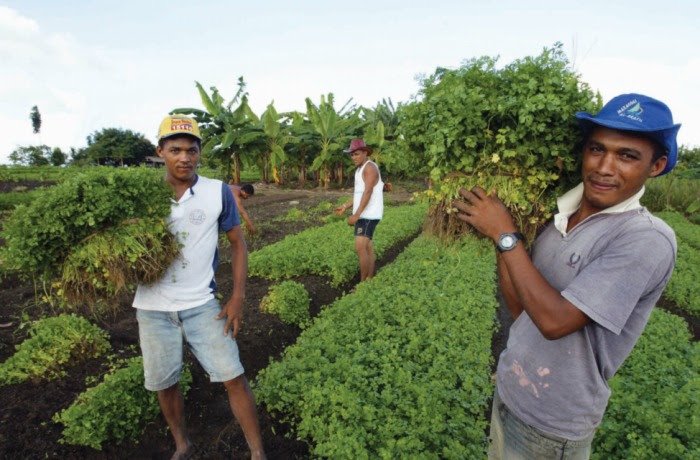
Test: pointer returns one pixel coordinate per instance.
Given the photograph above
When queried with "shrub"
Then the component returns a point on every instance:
(116, 409)
(53, 344)
(515, 123)
(10, 200)
(288, 300)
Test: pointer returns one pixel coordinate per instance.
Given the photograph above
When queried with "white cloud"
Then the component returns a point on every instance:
(12, 24)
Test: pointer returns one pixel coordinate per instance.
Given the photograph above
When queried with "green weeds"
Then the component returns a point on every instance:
(289, 300)
(54, 343)
(116, 409)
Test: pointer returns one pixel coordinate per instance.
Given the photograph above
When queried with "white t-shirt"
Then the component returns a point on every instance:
(196, 218)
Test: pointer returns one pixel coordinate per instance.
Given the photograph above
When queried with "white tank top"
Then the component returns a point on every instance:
(375, 207)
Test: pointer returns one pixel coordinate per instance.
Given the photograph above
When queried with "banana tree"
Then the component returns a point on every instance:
(302, 146)
(226, 129)
(333, 130)
(276, 136)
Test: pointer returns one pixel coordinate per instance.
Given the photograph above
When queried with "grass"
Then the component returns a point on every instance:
(670, 193)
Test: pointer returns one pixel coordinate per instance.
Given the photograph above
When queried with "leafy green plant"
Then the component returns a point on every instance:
(39, 236)
(293, 215)
(289, 300)
(655, 402)
(111, 261)
(515, 124)
(116, 409)
(82, 211)
(36, 173)
(328, 250)
(53, 344)
(400, 368)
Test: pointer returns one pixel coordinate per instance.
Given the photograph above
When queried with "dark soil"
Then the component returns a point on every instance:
(26, 429)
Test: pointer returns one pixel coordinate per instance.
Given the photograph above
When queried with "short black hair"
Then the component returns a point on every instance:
(161, 142)
(248, 188)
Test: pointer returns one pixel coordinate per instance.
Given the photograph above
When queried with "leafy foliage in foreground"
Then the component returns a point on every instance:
(93, 219)
(289, 300)
(684, 287)
(400, 368)
(108, 262)
(329, 250)
(54, 343)
(39, 236)
(116, 409)
(655, 404)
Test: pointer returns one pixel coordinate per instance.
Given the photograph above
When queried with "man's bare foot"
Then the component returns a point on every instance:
(257, 455)
(183, 454)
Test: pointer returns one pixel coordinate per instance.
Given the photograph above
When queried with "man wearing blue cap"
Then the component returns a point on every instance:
(583, 296)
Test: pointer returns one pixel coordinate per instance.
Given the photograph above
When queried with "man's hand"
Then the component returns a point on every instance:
(340, 210)
(485, 212)
(353, 219)
(233, 312)
(251, 228)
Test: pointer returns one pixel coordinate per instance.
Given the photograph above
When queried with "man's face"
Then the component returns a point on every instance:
(358, 157)
(244, 195)
(615, 167)
(181, 155)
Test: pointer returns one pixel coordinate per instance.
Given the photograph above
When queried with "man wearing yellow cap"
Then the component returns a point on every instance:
(182, 305)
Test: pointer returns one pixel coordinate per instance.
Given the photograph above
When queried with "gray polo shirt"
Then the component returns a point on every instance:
(613, 267)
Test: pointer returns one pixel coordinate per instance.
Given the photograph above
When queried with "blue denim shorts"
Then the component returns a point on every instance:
(161, 335)
(512, 439)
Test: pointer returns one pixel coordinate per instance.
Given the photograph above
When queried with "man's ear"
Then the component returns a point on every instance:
(159, 151)
(658, 166)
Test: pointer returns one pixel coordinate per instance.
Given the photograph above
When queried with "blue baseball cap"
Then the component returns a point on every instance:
(641, 114)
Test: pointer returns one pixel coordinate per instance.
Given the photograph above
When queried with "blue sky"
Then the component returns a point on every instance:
(92, 65)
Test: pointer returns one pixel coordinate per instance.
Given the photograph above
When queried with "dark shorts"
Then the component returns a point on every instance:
(365, 227)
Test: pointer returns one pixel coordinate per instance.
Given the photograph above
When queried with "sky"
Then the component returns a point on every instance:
(90, 65)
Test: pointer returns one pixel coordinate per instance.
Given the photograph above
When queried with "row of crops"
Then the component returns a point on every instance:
(400, 367)
(327, 250)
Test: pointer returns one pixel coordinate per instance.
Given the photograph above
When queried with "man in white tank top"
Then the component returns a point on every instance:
(367, 204)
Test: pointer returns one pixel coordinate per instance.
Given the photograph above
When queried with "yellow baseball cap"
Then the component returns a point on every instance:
(178, 124)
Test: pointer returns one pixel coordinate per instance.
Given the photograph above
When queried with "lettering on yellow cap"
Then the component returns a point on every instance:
(180, 125)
